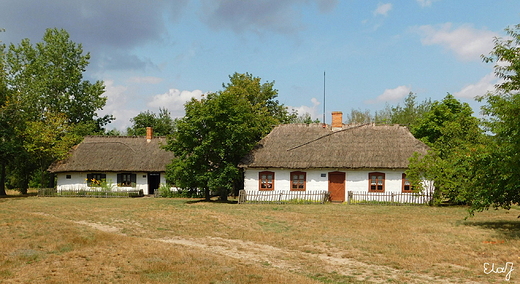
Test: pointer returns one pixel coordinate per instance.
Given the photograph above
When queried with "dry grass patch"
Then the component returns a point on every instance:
(174, 240)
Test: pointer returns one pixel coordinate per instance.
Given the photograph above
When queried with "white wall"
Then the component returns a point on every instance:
(356, 180)
(78, 181)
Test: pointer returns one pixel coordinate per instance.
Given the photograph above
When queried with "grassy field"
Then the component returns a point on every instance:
(154, 240)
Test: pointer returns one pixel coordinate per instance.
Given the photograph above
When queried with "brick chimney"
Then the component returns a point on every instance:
(149, 134)
(337, 120)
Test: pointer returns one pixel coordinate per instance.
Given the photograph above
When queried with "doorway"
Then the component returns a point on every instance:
(154, 180)
(337, 186)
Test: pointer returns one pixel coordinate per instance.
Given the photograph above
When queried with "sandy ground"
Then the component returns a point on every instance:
(291, 260)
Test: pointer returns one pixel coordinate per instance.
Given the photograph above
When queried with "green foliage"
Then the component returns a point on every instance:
(165, 191)
(102, 185)
(496, 171)
(409, 114)
(45, 105)
(305, 118)
(48, 78)
(219, 130)
(455, 138)
(259, 95)
(358, 117)
(162, 123)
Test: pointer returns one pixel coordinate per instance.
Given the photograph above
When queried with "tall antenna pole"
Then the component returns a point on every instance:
(323, 97)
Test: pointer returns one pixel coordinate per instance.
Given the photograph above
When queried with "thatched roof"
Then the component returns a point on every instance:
(302, 146)
(115, 154)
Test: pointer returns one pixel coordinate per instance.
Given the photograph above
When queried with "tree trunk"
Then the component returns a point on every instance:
(25, 184)
(2, 178)
(207, 197)
(223, 194)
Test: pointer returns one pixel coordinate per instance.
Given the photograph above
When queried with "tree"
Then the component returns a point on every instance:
(358, 117)
(219, 130)
(496, 171)
(6, 147)
(49, 105)
(305, 118)
(407, 115)
(259, 94)
(411, 112)
(453, 134)
(162, 123)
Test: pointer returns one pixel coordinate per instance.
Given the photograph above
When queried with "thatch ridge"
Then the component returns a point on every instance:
(299, 146)
(328, 134)
(116, 154)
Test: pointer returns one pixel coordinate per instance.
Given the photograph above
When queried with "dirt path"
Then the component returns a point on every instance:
(292, 260)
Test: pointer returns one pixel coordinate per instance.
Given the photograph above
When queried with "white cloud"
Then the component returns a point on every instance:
(392, 94)
(482, 87)
(426, 3)
(145, 80)
(115, 97)
(312, 110)
(383, 9)
(174, 100)
(467, 42)
(117, 106)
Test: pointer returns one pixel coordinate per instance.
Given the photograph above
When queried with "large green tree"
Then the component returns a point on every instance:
(162, 123)
(49, 104)
(6, 145)
(497, 179)
(219, 130)
(454, 135)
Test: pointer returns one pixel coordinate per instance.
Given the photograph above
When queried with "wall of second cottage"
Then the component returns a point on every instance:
(78, 181)
(318, 179)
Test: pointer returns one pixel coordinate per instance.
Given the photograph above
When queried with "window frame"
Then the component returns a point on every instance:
(264, 184)
(293, 184)
(404, 181)
(126, 180)
(99, 177)
(376, 174)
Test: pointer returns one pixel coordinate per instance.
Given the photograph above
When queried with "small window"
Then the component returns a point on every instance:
(126, 180)
(323, 175)
(407, 187)
(266, 180)
(95, 180)
(376, 182)
(68, 177)
(298, 180)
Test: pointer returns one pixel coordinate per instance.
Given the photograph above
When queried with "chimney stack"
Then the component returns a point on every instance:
(337, 120)
(149, 134)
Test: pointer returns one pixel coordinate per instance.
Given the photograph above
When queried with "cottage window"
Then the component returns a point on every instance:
(376, 182)
(126, 179)
(266, 180)
(407, 187)
(298, 180)
(95, 180)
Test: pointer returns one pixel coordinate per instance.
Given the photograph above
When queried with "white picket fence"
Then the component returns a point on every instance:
(282, 196)
(388, 198)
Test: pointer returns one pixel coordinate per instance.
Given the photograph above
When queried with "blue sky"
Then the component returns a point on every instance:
(159, 53)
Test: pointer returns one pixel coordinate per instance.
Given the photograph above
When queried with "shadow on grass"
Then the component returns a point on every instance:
(211, 201)
(19, 195)
(508, 229)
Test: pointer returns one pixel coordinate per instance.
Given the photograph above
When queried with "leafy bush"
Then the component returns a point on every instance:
(166, 191)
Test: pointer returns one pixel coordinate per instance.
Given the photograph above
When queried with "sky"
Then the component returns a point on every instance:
(336, 55)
